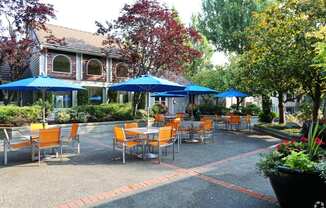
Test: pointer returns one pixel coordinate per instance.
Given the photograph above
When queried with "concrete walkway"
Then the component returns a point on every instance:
(220, 174)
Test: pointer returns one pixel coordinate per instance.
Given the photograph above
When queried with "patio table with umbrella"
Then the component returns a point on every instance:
(43, 84)
(146, 83)
(192, 90)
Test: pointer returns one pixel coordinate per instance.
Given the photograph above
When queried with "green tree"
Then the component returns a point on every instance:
(280, 52)
(206, 50)
(224, 22)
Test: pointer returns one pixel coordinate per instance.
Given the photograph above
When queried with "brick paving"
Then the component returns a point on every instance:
(85, 180)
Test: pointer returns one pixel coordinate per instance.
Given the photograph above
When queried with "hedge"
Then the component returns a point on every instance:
(18, 116)
(106, 112)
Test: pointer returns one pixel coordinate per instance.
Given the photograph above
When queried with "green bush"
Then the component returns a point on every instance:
(106, 112)
(267, 117)
(209, 109)
(17, 116)
(159, 108)
(63, 116)
(251, 109)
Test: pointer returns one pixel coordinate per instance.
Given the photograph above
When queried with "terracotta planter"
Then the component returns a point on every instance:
(298, 189)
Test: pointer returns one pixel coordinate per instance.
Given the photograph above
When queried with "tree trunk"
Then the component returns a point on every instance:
(316, 99)
(136, 101)
(281, 107)
(238, 103)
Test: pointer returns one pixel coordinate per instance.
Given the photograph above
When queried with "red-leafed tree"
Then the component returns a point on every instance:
(150, 38)
(17, 19)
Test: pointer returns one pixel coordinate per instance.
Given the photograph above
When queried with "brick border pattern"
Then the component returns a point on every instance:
(179, 173)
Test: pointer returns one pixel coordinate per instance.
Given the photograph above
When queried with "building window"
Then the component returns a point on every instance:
(62, 99)
(94, 67)
(95, 95)
(122, 70)
(61, 63)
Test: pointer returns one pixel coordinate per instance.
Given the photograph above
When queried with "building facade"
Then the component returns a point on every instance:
(79, 60)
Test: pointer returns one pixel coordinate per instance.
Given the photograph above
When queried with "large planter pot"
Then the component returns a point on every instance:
(298, 189)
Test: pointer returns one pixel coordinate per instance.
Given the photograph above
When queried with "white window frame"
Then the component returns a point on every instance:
(94, 59)
(70, 63)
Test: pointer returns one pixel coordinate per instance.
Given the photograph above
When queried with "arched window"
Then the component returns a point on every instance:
(122, 70)
(61, 63)
(94, 67)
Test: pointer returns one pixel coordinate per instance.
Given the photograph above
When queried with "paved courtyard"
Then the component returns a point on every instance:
(220, 174)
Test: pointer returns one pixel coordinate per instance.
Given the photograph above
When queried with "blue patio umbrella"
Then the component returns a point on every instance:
(42, 83)
(193, 89)
(231, 93)
(146, 83)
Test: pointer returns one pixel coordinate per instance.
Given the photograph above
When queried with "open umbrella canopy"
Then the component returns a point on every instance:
(232, 93)
(165, 94)
(40, 83)
(193, 89)
(146, 83)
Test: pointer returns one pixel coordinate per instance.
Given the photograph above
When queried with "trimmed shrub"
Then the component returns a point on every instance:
(18, 116)
(267, 117)
(63, 116)
(209, 109)
(159, 108)
(106, 112)
(251, 109)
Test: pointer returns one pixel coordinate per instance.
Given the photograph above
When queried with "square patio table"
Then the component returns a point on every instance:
(147, 131)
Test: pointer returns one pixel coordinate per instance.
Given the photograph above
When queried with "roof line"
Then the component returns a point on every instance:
(78, 30)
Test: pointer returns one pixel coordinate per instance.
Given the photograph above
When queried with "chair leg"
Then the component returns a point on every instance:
(173, 151)
(178, 140)
(39, 156)
(5, 156)
(159, 155)
(61, 150)
(123, 154)
(78, 146)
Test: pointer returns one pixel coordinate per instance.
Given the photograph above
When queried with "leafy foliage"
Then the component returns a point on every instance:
(106, 112)
(299, 161)
(16, 43)
(305, 156)
(17, 116)
(210, 109)
(159, 109)
(151, 38)
(224, 22)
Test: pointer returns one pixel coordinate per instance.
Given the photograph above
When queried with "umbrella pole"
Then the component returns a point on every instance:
(43, 107)
(147, 109)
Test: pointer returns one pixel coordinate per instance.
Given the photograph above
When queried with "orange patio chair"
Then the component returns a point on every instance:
(35, 127)
(12, 145)
(132, 135)
(48, 139)
(73, 137)
(235, 121)
(164, 140)
(159, 119)
(247, 121)
(120, 140)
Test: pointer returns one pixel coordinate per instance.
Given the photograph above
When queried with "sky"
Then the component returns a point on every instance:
(81, 14)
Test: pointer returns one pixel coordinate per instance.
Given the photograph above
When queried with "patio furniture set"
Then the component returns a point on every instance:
(155, 140)
(38, 138)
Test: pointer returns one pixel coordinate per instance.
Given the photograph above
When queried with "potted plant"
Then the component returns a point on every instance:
(297, 171)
